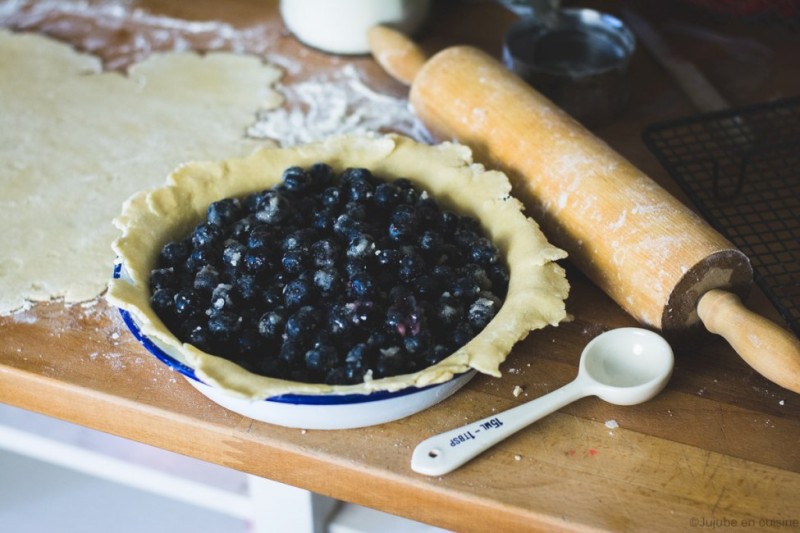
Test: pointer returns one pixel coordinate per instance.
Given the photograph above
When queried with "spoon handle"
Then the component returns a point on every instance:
(447, 451)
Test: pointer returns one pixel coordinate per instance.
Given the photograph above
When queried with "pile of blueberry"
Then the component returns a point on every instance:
(326, 278)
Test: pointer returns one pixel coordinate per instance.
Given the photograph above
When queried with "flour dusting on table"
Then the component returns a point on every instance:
(331, 104)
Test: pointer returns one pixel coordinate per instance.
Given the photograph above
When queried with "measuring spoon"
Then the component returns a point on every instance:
(624, 366)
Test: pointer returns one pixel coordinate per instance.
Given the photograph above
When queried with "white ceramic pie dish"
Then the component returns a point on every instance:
(307, 411)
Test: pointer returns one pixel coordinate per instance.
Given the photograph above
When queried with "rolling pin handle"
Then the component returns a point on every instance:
(771, 350)
(396, 53)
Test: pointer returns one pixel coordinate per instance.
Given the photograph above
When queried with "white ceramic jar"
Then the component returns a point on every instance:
(340, 26)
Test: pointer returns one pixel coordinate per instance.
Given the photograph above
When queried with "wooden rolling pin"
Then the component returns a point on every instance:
(649, 252)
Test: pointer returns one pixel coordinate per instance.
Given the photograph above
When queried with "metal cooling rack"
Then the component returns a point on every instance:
(741, 168)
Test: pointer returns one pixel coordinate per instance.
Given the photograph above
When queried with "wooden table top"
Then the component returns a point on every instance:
(719, 444)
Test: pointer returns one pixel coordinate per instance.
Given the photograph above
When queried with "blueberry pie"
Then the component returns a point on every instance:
(356, 264)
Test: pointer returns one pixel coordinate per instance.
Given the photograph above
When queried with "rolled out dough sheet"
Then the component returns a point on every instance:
(75, 142)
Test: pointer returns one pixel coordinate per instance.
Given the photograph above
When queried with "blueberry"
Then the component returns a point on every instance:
(358, 189)
(302, 323)
(296, 180)
(299, 239)
(443, 273)
(355, 211)
(358, 355)
(477, 274)
(321, 358)
(233, 254)
(449, 311)
(353, 267)
(295, 261)
(470, 224)
(321, 175)
(292, 354)
(256, 262)
(390, 362)
(206, 279)
(272, 207)
(206, 235)
(297, 293)
(395, 321)
(484, 252)
(222, 297)
(407, 193)
(261, 238)
(465, 239)
(327, 281)
(302, 209)
(175, 253)
(272, 295)
(199, 258)
(401, 232)
(163, 278)
(248, 341)
(223, 212)
(338, 376)
(200, 336)
(224, 324)
(427, 287)
(242, 227)
(356, 175)
(410, 266)
(386, 195)
(247, 287)
(188, 302)
(387, 258)
(362, 285)
(481, 312)
(340, 320)
(449, 254)
(436, 354)
(163, 301)
(430, 242)
(405, 214)
(323, 219)
(361, 247)
(345, 226)
(325, 253)
(448, 223)
(364, 313)
(332, 197)
(465, 289)
(499, 277)
(272, 323)
(380, 339)
(354, 374)
(400, 294)
(461, 335)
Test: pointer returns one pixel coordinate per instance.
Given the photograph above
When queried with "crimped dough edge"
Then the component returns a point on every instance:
(537, 289)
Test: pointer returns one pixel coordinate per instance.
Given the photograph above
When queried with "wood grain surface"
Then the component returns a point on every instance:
(719, 444)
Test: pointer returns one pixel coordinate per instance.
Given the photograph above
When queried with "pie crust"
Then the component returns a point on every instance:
(537, 287)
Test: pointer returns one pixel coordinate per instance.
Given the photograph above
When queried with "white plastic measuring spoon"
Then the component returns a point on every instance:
(623, 366)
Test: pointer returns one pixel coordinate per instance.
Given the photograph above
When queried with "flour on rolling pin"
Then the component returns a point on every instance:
(648, 251)
(624, 231)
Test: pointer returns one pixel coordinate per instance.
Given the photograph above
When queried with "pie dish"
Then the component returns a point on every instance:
(537, 284)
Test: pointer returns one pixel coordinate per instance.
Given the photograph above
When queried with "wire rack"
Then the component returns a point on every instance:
(741, 168)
